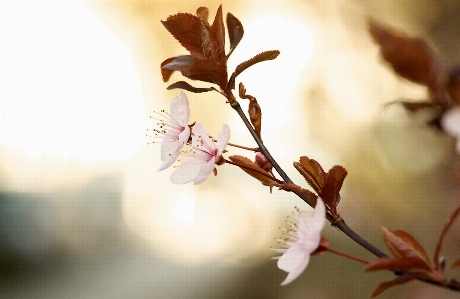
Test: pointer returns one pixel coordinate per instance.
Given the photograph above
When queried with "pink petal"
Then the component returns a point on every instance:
(199, 133)
(185, 173)
(205, 171)
(180, 110)
(184, 135)
(169, 154)
(222, 139)
(296, 262)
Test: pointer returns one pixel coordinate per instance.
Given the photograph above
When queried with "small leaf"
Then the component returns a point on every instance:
(406, 277)
(254, 110)
(410, 57)
(184, 85)
(248, 165)
(178, 63)
(203, 13)
(330, 192)
(401, 264)
(264, 56)
(235, 32)
(186, 28)
(312, 171)
(297, 189)
(417, 248)
(403, 245)
(455, 265)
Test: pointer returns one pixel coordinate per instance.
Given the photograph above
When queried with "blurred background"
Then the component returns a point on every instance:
(84, 212)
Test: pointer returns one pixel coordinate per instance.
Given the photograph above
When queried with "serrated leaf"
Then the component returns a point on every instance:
(403, 245)
(411, 58)
(235, 32)
(406, 277)
(248, 165)
(178, 63)
(331, 190)
(208, 71)
(217, 39)
(184, 85)
(264, 56)
(313, 173)
(186, 28)
(401, 264)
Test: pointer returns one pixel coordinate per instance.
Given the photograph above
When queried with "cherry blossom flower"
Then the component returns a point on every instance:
(450, 123)
(175, 130)
(301, 240)
(200, 161)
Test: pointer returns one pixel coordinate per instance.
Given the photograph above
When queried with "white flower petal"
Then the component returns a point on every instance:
(169, 154)
(222, 139)
(184, 135)
(198, 132)
(185, 173)
(205, 171)
(180, 110)
(294, 260)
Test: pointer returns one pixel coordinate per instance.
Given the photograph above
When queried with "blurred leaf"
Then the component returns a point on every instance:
(264, 56)
(331, 190)
(410, 57)
(401, 264)
(455, 265)
(453, 84)
(186, 28)
(254, 110)
(248, 165)
(178, 63)
(312, 171)
(184, 85)
(406, 277)
(235, 32)
(402, 244)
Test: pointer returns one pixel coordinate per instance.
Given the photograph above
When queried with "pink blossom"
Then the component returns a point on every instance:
(300, 240)
(450, 123)
(174, 129)
(200, 161)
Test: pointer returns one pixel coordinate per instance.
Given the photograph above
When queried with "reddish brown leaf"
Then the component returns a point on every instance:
(417, 249)
(401, 264)
(455, 265)
(203, 13)
(295, 188)
(416, 106)
(186, 86)
(264, 56)
(403, 245)
(217, 39)
(186, 28)
(453, 85)
(312, 171)
(410, 57)
(258, 173)
(208, 71)
(235, 32)
(406, 277)
(330, 192)
(178, 63)
(254, 110)
(446, 227)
